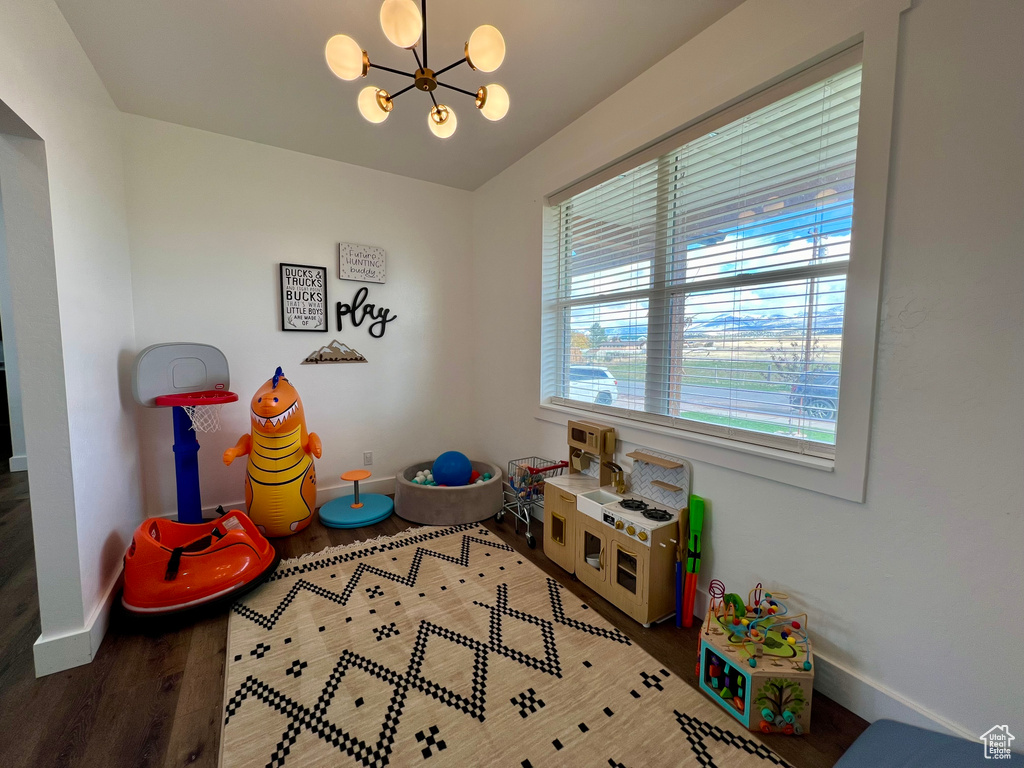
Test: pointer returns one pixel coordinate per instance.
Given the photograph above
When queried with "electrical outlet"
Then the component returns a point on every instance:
(367, 458)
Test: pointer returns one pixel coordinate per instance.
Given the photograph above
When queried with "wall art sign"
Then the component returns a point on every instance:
(360, 311)
(335, 352)
(361, 262)
(303, 298)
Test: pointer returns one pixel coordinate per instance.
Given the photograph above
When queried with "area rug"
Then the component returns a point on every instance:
(445, 647)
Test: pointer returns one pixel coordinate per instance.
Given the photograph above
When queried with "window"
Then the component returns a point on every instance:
(704, 287)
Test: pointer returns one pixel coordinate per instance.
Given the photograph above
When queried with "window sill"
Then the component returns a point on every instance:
(809, 472)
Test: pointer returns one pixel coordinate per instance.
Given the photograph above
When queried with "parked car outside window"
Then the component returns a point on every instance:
(817, 395)
(592, 384)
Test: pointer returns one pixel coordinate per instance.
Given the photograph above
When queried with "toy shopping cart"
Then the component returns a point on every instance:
(525, 487)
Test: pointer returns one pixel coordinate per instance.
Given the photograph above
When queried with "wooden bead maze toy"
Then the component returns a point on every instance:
(755, 660)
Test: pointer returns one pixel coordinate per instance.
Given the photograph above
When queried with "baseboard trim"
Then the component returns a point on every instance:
(874, 701)
(19, 463)
(866, 697)
(55, 653)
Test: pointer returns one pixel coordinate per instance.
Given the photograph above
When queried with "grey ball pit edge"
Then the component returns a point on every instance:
(433, 505)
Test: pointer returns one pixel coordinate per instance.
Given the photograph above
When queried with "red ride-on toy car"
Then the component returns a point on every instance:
(172, 567)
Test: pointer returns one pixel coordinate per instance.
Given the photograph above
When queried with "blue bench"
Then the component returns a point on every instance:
(888, 744)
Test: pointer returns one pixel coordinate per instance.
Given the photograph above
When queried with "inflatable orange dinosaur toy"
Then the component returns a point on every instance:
(280, 480)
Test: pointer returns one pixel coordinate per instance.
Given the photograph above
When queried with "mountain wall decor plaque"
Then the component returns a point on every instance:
(335, 352)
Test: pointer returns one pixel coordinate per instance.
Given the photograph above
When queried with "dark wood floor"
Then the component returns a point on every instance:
(152, 697)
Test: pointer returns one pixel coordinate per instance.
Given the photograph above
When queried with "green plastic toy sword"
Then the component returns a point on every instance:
(693, 549)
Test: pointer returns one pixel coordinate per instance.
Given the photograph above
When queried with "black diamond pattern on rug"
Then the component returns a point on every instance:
(260, 650)
(388, 630)
(549, 663)
(430, 741)
(652, 681)
(527, 702)
(342, 598)
(378, 754)
(697, 731)
(296, 668)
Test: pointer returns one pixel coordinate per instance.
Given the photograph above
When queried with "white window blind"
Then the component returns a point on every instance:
(704, 287)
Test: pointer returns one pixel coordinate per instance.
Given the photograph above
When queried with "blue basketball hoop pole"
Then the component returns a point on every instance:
(185, 409)
(186, 468)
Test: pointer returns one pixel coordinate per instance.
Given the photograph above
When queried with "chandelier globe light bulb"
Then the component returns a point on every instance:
(486, 48)
(345, 58)
(402, 22)
(442, 121)
(492, 101)
(375, 104)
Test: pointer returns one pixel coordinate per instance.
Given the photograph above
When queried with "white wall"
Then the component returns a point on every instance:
(914, 595)
(73, 323)
(212, 217)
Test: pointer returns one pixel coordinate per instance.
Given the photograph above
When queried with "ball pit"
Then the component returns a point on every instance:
(421, 502)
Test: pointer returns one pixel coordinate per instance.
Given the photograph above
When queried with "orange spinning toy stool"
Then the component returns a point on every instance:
(355, 511)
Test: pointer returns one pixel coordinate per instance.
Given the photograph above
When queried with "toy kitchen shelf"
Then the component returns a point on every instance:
(661, 477)
(651, 458)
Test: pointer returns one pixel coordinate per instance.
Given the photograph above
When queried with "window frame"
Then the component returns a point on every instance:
(662, 289)
(845, 476)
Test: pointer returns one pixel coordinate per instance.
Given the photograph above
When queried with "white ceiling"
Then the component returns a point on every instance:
(255, 69)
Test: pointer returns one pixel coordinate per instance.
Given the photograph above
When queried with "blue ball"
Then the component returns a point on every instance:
(452, 468)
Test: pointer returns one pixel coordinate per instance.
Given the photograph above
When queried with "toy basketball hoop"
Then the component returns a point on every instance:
(202, 408)
(191, 380)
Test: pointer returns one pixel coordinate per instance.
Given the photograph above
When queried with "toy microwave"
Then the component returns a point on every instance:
(591, 438)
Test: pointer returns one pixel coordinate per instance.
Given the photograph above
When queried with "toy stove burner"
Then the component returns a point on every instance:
(633, 505)
(658, 515)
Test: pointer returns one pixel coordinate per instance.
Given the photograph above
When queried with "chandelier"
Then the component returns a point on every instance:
(405, 25)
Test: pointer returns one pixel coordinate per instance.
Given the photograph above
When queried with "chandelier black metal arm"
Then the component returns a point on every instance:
(460, 90)
(389, 69)
(423, 38)
(441, 71)
(399, 93)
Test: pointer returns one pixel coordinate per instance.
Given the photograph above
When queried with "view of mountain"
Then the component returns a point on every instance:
(335, 352)
(827, 321)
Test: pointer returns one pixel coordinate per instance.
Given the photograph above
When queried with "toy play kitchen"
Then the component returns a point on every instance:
(621, 544)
